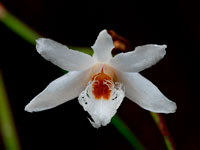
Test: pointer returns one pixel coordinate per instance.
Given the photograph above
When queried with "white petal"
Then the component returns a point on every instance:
(62, 56)
(59, 91)
(145, 93)
(103, 47)
(141, 58)
(101, 110)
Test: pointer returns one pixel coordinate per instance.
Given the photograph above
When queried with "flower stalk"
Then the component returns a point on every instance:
(17, 26)
(125, 131)
(7, 127)
(160, 122)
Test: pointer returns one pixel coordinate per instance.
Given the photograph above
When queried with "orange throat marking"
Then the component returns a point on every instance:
(101, 87)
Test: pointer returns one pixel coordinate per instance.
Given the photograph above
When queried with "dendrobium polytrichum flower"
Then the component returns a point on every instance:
(101, 81)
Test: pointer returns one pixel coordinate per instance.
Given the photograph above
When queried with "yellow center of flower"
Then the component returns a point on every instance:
(101, 87)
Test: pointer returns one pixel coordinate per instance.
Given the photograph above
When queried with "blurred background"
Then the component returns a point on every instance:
(77, 23)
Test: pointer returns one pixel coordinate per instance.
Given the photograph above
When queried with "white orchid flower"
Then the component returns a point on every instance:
(101, 81)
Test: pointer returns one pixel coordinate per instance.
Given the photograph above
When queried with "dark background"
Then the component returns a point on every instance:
(175, 23)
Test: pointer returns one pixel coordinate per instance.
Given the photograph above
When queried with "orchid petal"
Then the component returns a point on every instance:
(145, 93)
(61, 90)
(62, 56)
(103, 47)
(141, 58)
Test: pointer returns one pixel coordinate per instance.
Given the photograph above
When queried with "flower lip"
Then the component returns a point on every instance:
(102, 85)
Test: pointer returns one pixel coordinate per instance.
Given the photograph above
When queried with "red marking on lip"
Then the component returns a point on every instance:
(101, 86)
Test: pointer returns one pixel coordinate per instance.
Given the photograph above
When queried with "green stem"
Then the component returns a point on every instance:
(18, 27)
(125, 131)
(159, 120)
(6, 122)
